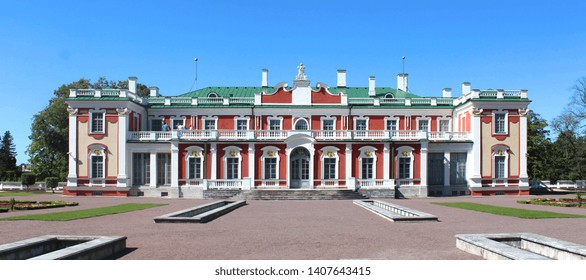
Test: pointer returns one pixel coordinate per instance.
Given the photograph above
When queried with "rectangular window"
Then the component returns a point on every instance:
(360, 124)
(209, 124)
(270, 168)
(232, 168)
(177, 123)
(458, 168)
(97, 167)
(97, 123)
(163, 169)
(157, 125)
(499, 123)
(241, 124)
(424, 125)
(499, 165)
(405, 168)
(391, 125)
(274, 124)
(367, 168)
(141, 169)
(444, 125)
(328, 125)
(330, 168)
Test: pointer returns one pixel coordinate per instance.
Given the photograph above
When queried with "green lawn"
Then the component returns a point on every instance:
(3, 194)
(87, 213)
(505, 211)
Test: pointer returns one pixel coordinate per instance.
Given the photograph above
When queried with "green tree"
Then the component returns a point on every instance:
(50, 131)
(7, 155)
(538, 147)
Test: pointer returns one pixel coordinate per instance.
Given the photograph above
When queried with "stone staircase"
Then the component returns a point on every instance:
(300, 195)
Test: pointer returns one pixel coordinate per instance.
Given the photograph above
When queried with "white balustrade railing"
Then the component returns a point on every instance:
(271, 134)
(329, 183)
(407, 181)
(332, 134)
(85, 92)
(392, 101)
(235, 134)
(152, 135)
(370, 134)
(227, 183)
(361, 101)
(446, 135)
(375, 183)
(407, 135)
(210, 100)
(270, 183)
(199, 134)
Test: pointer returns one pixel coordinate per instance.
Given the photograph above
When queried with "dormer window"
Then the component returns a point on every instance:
(212, 95)
(389, 96)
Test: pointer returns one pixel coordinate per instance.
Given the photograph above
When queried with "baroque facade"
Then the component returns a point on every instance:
(299, 136)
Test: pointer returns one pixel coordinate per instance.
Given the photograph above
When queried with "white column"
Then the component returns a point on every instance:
(386, 160)
(476, 152)
(251, 163)
(423, 169)
(213, 161)
(311, 167)
(523, 176)
(153, 183)
(174, 163)
(288, 153)
(447, 160)
(349, 177)
(122, 133)
(72, 176)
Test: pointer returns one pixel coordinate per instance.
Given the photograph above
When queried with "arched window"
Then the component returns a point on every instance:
(270, 163)
(97, 161)
(389, 96)
(232, 162)
(212, 95)
(329, 161)
(301, 124)
(194, 162)
(500, 161)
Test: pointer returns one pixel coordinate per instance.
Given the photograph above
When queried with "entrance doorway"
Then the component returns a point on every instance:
(435, 169)
(299, 175)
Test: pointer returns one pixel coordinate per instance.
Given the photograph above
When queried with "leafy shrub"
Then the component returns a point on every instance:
(28, 179)
(52, 183)
(4, 209)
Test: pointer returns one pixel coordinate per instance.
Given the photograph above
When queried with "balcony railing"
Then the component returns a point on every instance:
(278, 135)
(375, 183)
(329, 183)
(270, 184)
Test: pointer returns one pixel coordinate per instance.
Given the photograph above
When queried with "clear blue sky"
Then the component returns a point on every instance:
(534, 45)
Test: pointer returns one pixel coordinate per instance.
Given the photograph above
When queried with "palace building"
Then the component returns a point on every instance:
(298, 137)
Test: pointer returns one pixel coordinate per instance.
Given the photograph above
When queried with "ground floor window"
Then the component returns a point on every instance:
(194, 168)
(270, 168)
(330, 168)
(97, 166)
(163, 169)
(404, 167)
(367, 168)
(457, 168)
(232, 167)
(499, 164)
(141, 169)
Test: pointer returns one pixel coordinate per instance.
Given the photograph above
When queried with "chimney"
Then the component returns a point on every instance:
(447, 92)
(154, 91)
(402, 80)
(265, 77)
(371, 86)
(132, 84)
(465, 88)
(341, 78)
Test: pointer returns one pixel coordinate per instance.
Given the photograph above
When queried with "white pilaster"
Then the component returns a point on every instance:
(476, 153)
(72, 176)
(174, 163)
(423, 169)
(153, 158)
(386, 160)
(214, 154)
(251, 161)
(349, 166)
(523, 176)
(447, 160)
(122, 134)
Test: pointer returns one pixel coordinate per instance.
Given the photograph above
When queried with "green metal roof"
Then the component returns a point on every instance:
(352, 92)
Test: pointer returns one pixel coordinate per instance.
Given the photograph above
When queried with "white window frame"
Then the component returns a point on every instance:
(95, 112)
(213, 95)
(93, 151)
(280, 119)
(506, 124)
(388, 119)
(360, 118)
(228, 154)
(159, 119)
(439, 124)
(236, 119)
(299, 119)
(266, 151)
(417, 120)
(334, 154)
(322, 119)
(500, 150)
(197, 153)
(405, 152)
(387, 96)
(208, 118)
(364, 154)
(182, 119)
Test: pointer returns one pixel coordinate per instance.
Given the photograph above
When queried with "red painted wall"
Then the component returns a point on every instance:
(281, 96)
(322, 97)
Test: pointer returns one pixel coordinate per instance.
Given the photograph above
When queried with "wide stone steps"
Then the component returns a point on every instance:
(301, 195)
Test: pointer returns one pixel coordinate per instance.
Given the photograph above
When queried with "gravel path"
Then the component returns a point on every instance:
(294, 229)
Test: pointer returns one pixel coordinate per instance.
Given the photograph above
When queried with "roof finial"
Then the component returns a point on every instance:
(301, 72)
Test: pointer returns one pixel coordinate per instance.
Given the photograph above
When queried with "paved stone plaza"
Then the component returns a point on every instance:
(294, 229)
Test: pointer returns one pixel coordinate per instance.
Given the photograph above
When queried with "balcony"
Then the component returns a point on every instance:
(279, 135)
